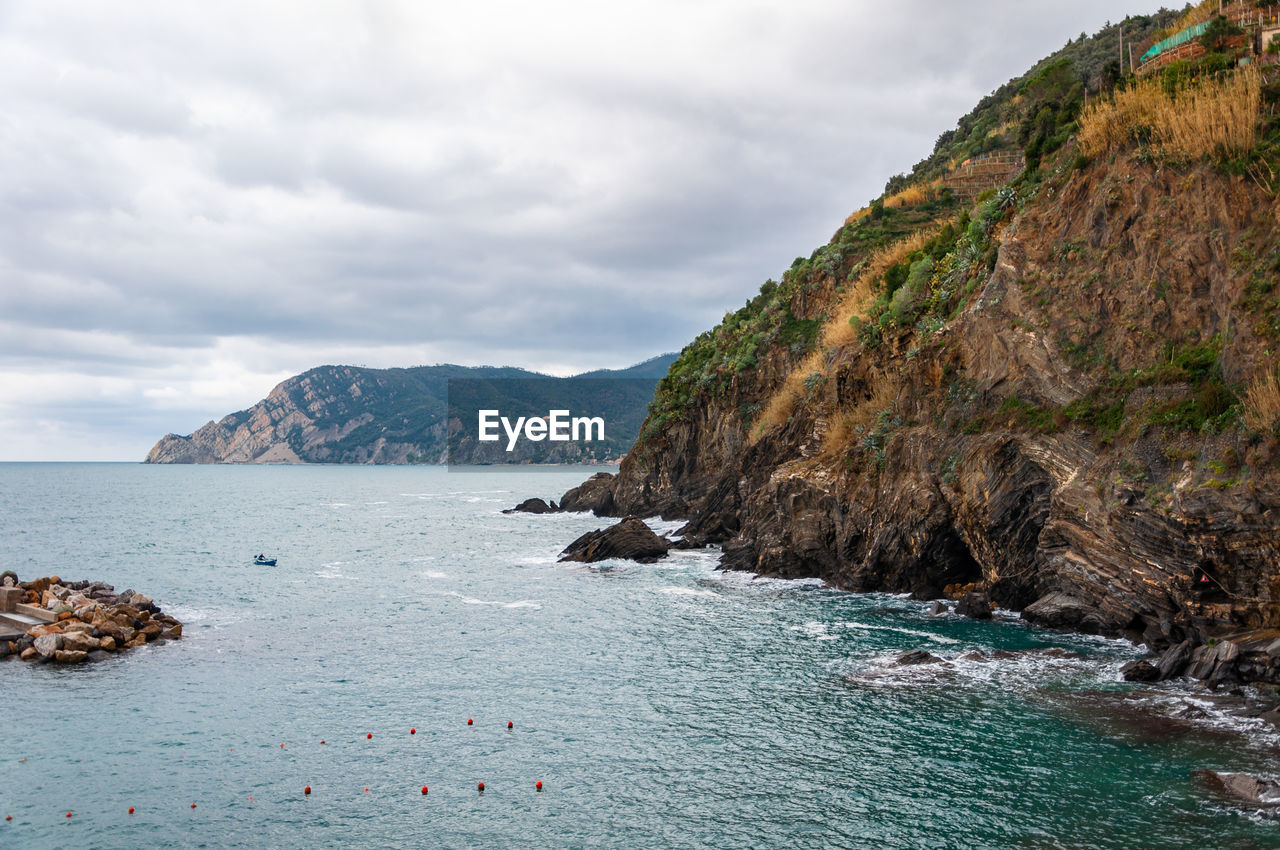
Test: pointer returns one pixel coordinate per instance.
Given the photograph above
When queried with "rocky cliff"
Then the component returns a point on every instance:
(1065, 395)
(349, 414)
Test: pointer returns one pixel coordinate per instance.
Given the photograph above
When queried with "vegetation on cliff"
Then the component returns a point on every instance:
(1061, 387)
(350, 414)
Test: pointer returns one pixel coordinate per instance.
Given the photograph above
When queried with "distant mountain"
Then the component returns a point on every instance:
(350, 414)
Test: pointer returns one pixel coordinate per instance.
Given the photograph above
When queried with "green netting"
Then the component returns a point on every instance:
(1175, 40)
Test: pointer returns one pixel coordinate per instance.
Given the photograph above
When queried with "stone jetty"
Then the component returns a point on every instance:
(49, 620)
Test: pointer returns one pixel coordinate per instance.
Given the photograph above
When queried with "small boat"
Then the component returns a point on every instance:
(264, 561)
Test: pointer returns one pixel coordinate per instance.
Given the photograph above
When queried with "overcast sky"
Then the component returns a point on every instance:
(201, 199)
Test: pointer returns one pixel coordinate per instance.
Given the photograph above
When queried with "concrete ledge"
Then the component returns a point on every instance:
(42, 614)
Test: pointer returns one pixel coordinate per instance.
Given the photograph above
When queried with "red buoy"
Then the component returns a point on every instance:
(413, 731)
(193, 805)
(538, 785)
(322, 740)
(306, 790)
(131, 810)
(479, 787)
(8, 817)
(68, 814)
(510, 724)
(250, 799)
(370, 735)
(468, 721)
(424, 789)
(366, 790)
(282, 746)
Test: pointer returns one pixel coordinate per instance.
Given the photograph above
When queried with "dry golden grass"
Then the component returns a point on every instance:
(1262, 403)
(912, 196)
(1197, 14)
(838, 332)
(847, 425)
(1212, 118)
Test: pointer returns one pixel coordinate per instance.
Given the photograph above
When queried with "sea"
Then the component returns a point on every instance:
(413, 635)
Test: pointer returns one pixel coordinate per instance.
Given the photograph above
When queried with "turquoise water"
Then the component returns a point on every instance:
(664, 705)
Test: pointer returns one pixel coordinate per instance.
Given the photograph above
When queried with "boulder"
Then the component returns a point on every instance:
(151, 631)
(533, 506)
(1215, 663)
(63, 656)
(1174, 660)
(76, 626)
(79, 642)
(1057, 611)
(173, 633)
(975, 604)
(139, 601)
(136, 641)
(595, 495)
(1140, 670)
(630, 539)
(30, 654)
(98, 655)
(45, 629)
(47, 645)
(916, 656)
(937, 608)
(107, 643)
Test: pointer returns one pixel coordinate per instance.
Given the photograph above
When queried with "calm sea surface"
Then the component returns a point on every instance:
(667, 705)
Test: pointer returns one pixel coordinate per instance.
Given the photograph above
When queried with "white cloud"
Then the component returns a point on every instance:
(200, 199)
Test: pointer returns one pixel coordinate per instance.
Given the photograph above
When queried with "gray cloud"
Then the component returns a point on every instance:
(200, 200)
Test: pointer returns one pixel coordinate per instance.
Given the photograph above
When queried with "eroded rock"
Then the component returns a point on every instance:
(630, 539)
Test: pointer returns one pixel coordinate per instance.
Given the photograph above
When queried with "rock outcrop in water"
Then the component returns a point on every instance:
(1065, 396)
(630, 540)
(73, 622)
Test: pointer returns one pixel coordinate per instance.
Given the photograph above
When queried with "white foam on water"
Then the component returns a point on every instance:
(1022, 671)
(740, 578)
(813, 629)
(468, 600)
(898, 629)
(433, 574)
(688, 591)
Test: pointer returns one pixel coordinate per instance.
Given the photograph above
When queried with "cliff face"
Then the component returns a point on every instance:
(1063, 405)
(333, 414)
(348, 414)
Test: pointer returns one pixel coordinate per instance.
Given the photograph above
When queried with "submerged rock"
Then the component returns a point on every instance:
(630, 539)
(1258, 792)
(916, 656)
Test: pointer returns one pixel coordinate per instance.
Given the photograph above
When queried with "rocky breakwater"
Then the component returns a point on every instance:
(74, 622)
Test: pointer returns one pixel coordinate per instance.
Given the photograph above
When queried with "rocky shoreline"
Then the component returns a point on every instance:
(74, 622)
